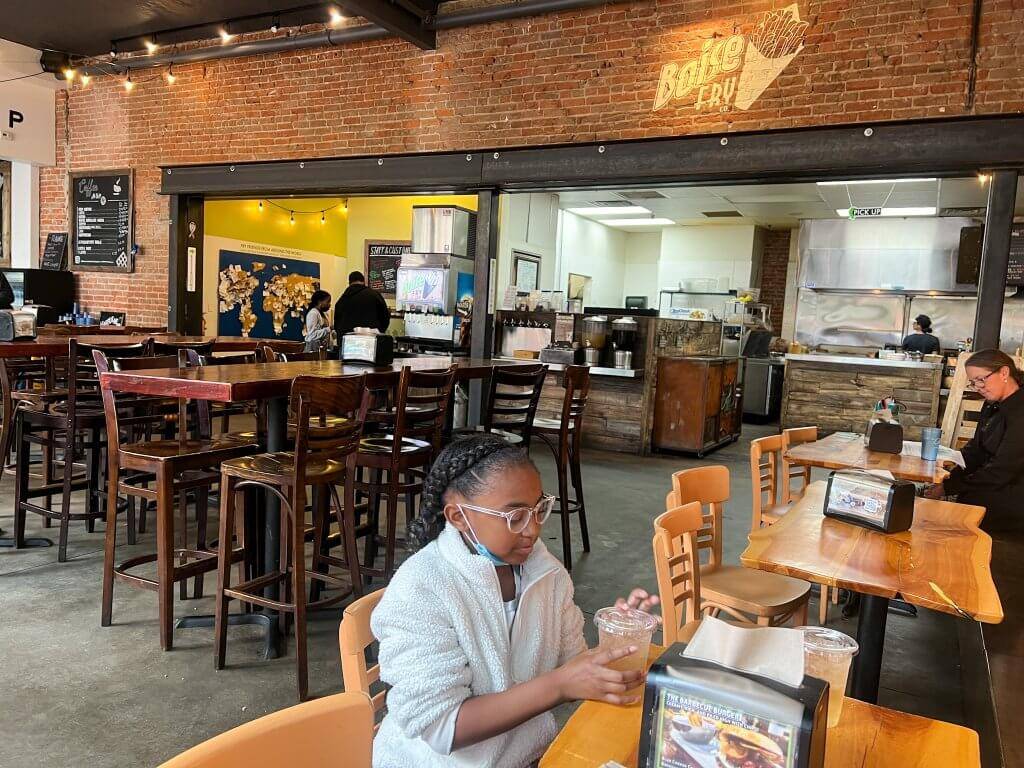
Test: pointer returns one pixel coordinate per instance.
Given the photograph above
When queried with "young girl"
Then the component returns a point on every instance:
(479, 634)
(318, 330)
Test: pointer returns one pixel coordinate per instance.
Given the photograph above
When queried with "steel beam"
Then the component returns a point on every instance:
(481, 333)
(995, 257)
(396, 19)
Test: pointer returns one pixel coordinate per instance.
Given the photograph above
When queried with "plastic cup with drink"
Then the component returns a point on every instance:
(621, 628)
(827, 656)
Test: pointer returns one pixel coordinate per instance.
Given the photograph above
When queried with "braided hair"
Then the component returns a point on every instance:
(465, 467)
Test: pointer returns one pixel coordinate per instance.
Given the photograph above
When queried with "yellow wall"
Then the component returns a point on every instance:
(340, 239)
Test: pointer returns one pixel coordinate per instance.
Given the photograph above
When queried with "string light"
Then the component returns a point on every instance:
(292, 213)
(128, 84)
(983, 178)
(293, 217)
(336, 17)
(323, 217)
(113, 52)
(151, 46)
(69, 73)
(225, 34)
(261, 206)
(85, 80)
(276, 23)
(170, 75)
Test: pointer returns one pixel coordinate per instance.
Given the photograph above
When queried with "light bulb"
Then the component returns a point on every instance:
(983, 178)
(69, 73)
(293, 217)
(170, 77)
(86, 79)
(113, 52)
(336, 17)
(323, 217)
(261, 206)
(128, 84)
(225, 36)
(151, 46)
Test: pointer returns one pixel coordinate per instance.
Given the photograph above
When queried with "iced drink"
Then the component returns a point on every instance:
(618, 628)
(827, 656)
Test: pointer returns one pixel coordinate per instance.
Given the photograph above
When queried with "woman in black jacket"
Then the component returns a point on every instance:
(994, 474)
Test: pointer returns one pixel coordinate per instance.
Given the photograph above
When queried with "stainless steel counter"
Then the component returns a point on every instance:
(868, 362)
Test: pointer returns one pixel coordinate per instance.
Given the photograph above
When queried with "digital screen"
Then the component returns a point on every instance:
(696, 733)
(17, 283)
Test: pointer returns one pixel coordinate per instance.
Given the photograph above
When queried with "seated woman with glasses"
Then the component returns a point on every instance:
(994, 474)
(479, 635)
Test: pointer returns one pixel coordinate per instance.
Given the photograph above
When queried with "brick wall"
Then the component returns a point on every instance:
(568, 77)
(773, 273)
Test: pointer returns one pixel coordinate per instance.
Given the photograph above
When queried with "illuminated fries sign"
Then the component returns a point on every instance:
(731, 72)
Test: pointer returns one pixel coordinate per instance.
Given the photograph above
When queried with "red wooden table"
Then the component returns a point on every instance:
(270, 382)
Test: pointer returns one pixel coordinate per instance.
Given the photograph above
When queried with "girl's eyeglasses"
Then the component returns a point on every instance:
(518, 519)
(979, 382)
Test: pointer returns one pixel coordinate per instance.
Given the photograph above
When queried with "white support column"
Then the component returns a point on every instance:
(24, 215)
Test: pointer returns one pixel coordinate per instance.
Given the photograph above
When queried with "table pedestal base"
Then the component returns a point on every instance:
(867, 664)
(270, 641)
(31, 543)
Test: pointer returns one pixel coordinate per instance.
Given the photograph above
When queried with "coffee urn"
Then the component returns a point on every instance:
(624, 331)
(595, 337)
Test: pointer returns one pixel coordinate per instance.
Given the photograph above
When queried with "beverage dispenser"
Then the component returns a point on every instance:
(435, 280)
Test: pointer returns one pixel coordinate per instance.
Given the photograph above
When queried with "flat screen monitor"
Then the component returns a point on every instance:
(636, 302)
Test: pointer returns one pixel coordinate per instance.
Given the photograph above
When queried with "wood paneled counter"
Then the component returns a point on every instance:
(838, 392)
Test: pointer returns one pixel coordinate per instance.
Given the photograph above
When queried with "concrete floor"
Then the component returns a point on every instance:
(78, 694)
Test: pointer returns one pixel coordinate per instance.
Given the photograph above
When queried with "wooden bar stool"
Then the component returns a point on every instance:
(176, 467)
(405, 448)
(512, 397)
(354, 638)
(769, 503)
(563, 437)
(790, 472)
(739, 592)
(68, 427)
(323, 457)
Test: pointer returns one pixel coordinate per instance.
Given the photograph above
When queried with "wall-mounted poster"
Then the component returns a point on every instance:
(525, 271)
(264, 297)
(101, 221)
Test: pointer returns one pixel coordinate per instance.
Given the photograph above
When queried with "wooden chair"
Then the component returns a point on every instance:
(790, 472)
(176, 467)
(739, 592)
(332, 732)
(354, 638)
(224, 411)
(18, 377)
(966, 422)
(512, 398)
(402, 452)
(677, 561)
(178, 348)
(271, 356)
(323, 457)
(562, 436)
(765, 457)
(265, 348)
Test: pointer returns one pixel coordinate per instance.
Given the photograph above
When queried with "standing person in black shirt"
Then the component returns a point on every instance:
(6, 293)
(921, 340)
(360, 306)
(994, 475)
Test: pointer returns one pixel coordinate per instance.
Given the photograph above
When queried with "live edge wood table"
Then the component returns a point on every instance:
(944, 545)
(270, 382)
(846, 450)
(866, 737)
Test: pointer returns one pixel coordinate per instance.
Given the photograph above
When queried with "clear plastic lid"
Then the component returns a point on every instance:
(825, 640)
(624, 621)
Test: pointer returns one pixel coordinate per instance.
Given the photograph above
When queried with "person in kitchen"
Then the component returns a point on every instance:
(360, 306)
(318, 329)
(921, 340)
(6, 293)
(994, 473)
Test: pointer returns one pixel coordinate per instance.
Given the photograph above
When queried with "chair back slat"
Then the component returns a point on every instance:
(765, 459)
(576, 382)
(676, 562)
(295, 357)
(795, 472)
(328, 421)
(512, 399)
(708, 485)
(424, 398)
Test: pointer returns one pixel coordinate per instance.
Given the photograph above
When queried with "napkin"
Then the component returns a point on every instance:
(773, 652)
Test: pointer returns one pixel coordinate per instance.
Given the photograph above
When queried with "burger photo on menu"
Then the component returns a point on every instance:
(693, 733)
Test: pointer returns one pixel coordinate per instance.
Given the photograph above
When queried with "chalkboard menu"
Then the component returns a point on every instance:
(101, 221)
(55, 251)
(382, 260)
(1015, 269)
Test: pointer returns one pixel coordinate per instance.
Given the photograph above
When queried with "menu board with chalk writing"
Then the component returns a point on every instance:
(101, 221)
(383, 258)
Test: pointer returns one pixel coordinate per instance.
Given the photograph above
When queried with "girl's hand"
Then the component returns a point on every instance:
(588, 677)
(639, 600)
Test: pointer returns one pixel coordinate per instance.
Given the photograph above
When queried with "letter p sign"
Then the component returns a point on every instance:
(14, 117)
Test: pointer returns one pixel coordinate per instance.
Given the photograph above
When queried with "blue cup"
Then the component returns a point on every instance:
(930, 443)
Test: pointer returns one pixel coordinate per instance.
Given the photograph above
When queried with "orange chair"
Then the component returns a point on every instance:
(749, 596)
(354, 637)
(769, 505)
(333, 732)
(676, 561)
(790, 472)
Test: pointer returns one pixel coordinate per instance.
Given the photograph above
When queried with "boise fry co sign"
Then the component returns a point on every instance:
(732, 72)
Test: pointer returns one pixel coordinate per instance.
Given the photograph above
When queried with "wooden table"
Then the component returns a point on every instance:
(867, 736)
(843, 450)
(270, 382)
(944, 545)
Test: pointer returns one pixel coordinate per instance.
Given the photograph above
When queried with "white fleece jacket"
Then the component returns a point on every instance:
(444, 638)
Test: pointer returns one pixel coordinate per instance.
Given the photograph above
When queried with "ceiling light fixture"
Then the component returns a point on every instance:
(225, 34)
(113, 52)
(638, 222)
(983, 178)
(336, 17)
(609, 210)
(276, 24)
(852, 182)
(906, 211)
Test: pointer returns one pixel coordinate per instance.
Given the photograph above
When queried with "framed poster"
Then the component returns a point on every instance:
(101, 221)
(525, 271)
(262, 296)
(381, 259)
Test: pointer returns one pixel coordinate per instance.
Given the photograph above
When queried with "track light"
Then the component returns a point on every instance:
(151, 46)
(225, 34)
(276, 23)
(113, 52)
(69, 73)
(336, 17)
(983, 178)
(86, 79)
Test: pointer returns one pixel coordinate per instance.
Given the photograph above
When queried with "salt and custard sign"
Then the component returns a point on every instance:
(732, 72)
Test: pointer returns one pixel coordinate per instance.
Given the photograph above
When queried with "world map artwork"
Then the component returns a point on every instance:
(263, 296)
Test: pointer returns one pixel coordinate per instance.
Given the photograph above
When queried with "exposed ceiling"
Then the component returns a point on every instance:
(782, 205)
(71, 27)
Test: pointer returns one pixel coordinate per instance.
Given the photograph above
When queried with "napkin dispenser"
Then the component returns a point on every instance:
(697, 714)
(884, 436)
(870, 501)
(15, 324)
(367, 348)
